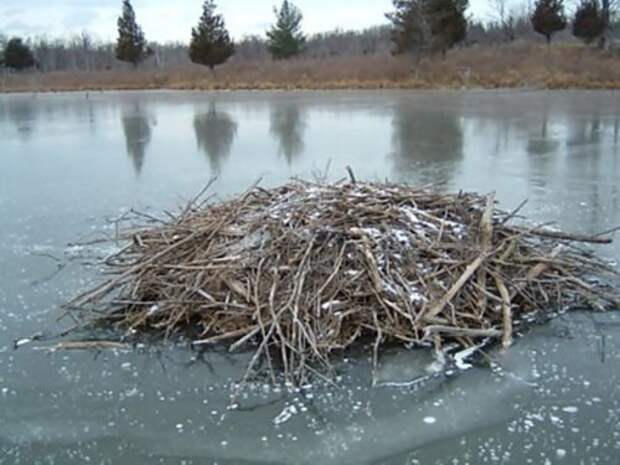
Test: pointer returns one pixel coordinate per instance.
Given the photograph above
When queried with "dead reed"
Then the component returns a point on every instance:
(306, 270)
(560, 66)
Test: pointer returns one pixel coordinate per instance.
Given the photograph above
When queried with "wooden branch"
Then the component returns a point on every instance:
(506, 313)
(469, 271)
(562, 236)
(454, 331)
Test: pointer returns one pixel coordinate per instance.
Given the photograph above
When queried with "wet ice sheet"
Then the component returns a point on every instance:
(68, 167)
(552, 397)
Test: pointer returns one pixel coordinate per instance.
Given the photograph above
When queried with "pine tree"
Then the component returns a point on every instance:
(428, 25)
(131, 45)
(589, 21)
(17, 55)
(211, 44)
(448, 23)
(548, 17)
(285, 39)
(410, 29)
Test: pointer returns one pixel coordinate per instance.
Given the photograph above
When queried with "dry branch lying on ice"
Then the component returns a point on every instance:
(304, 270)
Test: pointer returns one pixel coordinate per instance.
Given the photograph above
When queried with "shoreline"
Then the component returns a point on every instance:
(370, 86)
(516, 66)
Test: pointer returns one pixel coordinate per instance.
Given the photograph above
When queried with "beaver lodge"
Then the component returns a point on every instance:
(302, 272)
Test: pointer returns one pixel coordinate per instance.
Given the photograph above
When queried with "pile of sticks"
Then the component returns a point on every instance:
(305, 270)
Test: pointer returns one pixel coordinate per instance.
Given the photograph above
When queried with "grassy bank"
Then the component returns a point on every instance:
(519, 65)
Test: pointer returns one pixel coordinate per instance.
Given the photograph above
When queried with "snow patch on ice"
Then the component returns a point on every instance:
(285, 415)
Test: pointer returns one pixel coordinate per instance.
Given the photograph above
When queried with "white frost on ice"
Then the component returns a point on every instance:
(74, 250)
(285, 415)
(438, 365)
(21, 342)
(461, 357)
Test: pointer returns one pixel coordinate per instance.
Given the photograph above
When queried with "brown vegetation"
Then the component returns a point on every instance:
(478, 67)
(518, 65)
(305, 270)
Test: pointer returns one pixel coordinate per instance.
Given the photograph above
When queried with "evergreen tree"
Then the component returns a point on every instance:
(131, 45)
(410, 30)
(448, 23)
(428, 25)
(589, 21)
(211, 44)
(548, 17)
(285, 39)
(17, 55)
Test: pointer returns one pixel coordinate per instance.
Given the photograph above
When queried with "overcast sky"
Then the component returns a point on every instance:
(172, 20)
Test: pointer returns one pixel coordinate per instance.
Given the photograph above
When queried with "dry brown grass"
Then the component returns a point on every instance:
(518, 65)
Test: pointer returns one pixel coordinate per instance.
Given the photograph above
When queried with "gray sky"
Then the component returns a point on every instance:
(172, 20)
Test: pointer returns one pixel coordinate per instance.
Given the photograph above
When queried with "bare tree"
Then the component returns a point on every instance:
(3, 41)
(85, 48)
(609, 9)
(505, 16)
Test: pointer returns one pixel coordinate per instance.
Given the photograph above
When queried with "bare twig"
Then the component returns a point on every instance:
(304, 271)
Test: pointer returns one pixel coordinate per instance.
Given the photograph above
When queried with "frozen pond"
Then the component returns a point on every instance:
(72, 163)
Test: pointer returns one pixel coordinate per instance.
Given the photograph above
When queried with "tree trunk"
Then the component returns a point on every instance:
(606, 12)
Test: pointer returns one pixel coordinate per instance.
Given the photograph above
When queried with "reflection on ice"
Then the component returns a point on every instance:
(552, 398)
(215, 132)
(137, 127)
(288, 126)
